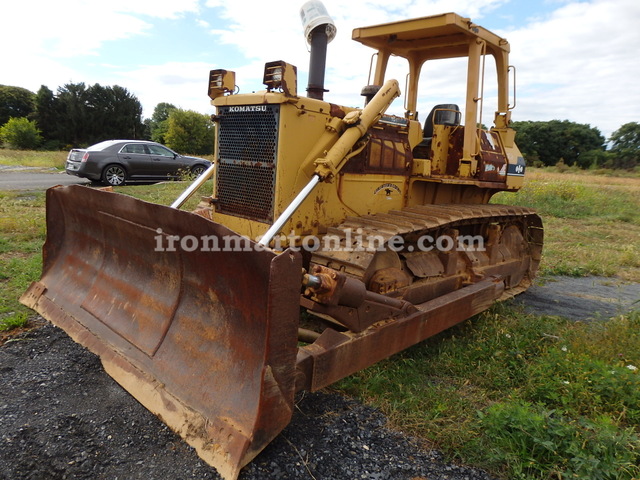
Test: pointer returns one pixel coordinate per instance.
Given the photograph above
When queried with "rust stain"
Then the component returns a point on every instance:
(336, 111)
(387, 152)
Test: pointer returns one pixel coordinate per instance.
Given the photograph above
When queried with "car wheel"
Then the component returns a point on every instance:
(198, 170)
(114, 175)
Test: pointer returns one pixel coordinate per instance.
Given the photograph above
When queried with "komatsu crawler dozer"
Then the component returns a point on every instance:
(377, 227)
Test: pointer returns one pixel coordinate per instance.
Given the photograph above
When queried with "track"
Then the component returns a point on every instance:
(421, 252)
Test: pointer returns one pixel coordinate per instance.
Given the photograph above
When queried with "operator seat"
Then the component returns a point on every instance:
(442, 114)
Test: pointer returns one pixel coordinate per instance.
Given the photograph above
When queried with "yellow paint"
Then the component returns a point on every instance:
(312, 131)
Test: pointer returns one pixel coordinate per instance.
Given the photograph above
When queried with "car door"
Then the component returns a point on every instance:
(165, 162)
(136, 159)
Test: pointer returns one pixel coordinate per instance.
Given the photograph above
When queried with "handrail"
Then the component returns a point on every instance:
(511, 107)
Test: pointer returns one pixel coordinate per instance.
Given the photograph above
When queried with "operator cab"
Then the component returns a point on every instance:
(451, 145)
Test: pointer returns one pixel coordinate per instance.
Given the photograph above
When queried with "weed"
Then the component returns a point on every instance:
(12, 320)
(582, 384)
(531, 442)
(31, 158)
(552, 398)
(567, 199)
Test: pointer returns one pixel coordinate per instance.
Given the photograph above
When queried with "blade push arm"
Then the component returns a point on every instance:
(357, 123)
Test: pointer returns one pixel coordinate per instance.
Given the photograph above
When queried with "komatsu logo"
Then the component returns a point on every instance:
(388, 188)
(248, 108)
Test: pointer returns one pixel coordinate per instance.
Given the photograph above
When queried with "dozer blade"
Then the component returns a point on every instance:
(206, 340)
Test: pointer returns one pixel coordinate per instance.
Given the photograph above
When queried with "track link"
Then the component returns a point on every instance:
(394, 242)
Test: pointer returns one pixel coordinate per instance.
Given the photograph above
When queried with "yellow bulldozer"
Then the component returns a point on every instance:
(334, 237)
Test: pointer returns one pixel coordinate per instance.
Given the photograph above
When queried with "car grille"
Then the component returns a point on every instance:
(246, 163)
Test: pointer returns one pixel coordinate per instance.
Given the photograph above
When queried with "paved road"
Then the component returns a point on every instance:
(35, 179)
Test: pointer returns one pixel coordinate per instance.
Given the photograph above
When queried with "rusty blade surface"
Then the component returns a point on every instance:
(206, 340)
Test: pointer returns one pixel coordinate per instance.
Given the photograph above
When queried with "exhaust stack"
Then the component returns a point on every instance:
(319, 30)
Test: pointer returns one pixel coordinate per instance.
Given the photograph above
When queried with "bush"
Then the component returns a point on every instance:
(189, 132)
(21, 134)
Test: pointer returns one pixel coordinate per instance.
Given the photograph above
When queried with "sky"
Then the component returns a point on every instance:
(575, 60)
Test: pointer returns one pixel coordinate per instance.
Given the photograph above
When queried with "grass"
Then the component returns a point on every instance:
(22, 233)
(524, 396)
(579, 196)
(592, 222)
(33, 158)
(165, 193)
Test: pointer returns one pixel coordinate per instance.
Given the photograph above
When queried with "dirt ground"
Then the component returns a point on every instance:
(62, 417)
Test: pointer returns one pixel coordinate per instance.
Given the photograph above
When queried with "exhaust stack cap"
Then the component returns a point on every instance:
(314, 14)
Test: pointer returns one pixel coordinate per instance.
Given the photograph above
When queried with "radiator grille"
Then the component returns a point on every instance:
(247, 152)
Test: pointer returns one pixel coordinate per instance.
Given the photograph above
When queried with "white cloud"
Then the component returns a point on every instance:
(578, 61)
(182, 83)
(80, 27)
(277, 34)
(42, 39)
(151, 8)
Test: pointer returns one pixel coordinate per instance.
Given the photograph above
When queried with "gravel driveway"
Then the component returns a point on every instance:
(62, 417)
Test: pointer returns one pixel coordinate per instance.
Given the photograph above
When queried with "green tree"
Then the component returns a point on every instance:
(595, 159)
(112, 113)
(15, 102)
(126, 113)
(159, 123)
(20, 133)
(91, 114)
(625, 146)
(45, 116)
(189, 132)
(550, 141)
(71, 111)
(162, 111)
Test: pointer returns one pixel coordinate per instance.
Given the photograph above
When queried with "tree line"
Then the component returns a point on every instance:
(77, 115)
(551, 142)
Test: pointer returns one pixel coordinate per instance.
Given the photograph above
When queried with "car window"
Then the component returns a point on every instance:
(101, 145)
(134, 148)
(160, 150)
